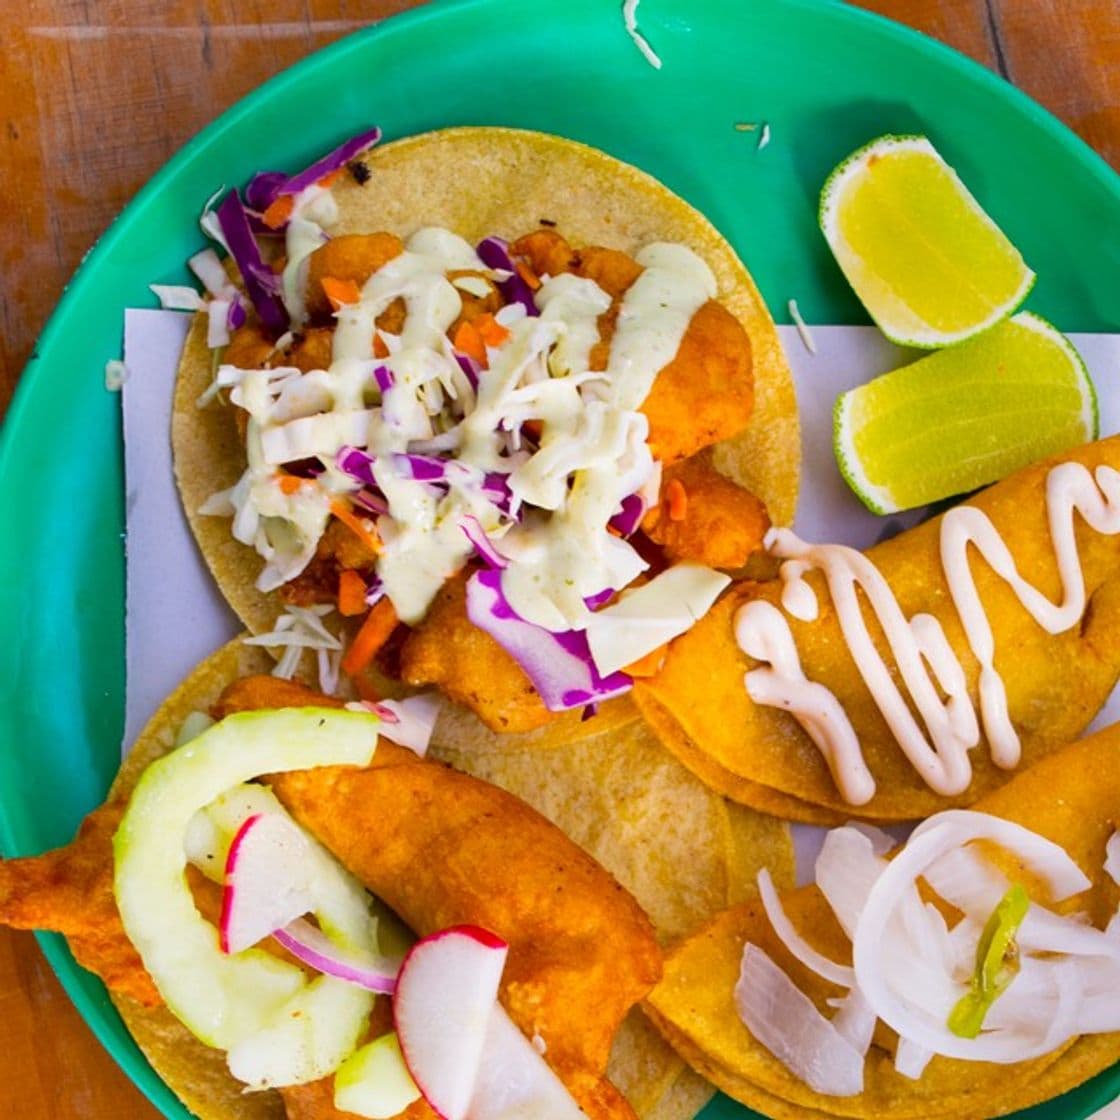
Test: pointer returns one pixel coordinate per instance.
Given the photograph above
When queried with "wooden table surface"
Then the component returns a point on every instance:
(98, 94)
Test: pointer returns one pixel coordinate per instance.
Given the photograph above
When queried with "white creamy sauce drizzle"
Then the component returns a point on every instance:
(948, 729)
(592, 449)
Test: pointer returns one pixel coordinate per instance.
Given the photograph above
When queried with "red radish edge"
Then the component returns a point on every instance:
(484, 937)
(227, 893)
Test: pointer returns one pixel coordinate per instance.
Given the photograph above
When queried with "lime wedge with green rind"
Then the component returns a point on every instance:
(929, 265)
(964, 417)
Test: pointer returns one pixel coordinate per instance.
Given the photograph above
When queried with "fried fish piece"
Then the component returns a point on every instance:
(440, 848)
(350, 256)
(466, 663)
(720, 523)
(1056, 683)
(706, 393)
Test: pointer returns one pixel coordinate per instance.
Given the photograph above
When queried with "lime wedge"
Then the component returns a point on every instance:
(965, 416)
(929, 265)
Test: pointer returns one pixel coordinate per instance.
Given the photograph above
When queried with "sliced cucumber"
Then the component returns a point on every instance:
(227, 1000)
(374, 1082)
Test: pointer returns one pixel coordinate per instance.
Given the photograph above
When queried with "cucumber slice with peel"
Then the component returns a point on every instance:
(242, 1003)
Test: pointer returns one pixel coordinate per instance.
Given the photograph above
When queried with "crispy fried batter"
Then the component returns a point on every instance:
(723, 523)
(261, 692)
(312, 350)
(581, 950)
(249, 347)
(706, 393)
(339, 547)
(448, 650)
(70, 891)
(352, 256)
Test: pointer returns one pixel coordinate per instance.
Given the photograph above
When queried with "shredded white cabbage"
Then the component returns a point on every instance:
(299, 629)
(630, 18)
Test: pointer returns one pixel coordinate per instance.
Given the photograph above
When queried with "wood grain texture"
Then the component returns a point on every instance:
(97, 94)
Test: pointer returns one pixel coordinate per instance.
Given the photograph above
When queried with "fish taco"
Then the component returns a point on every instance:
(470, 388)
(226, 893)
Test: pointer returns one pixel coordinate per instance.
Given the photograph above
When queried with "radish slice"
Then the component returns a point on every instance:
(409, 722)
(446, 991)
(267, 881)
(784, 1020)
(797, 945)
(514, 1080)
(309, 944)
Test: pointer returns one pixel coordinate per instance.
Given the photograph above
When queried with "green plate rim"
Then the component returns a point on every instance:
(87, 994)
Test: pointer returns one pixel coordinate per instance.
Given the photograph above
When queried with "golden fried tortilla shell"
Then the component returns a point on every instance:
(476, 182)
(1055, 683)
(1070, 798)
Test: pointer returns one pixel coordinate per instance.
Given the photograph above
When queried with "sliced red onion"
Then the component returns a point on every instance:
(263, 189)
(383, 375)
(559, 665)
(262, 284)
(332, 161)
(358, 464)
(370, 502)
(423, 468)
(629, 517)
(470, 367)
(494, 253)
(784, 1020)
(798, 947)
(311, 945)
(594, 602)
(483, 545)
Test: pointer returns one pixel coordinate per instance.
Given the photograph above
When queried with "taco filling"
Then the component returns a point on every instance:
(528, 417)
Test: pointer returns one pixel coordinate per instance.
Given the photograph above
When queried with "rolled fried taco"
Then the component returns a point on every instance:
(921, 674)
(968, 973)
(484, 382)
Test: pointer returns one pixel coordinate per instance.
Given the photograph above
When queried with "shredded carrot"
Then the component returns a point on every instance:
(362, 528)
(374, 633)
(278, 211)
(492, 332)
(328, 179)
(469, 341)
(289, 483)
(528, 275)
(533, 429)
(380, 350)
(351, 593)
(341, 292)
(648, 665)
(676, 498)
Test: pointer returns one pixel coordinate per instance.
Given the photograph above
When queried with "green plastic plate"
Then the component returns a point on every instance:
(824, 76)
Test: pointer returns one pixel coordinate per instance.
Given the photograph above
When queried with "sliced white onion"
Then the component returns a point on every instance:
(855, 1020)
(784, 1020)
(1112, 857)
(1044, 931)
(968, 881)
(910, 1060)
(797, 945)
(314, 948)
(177, 297)
(877, 947)
(846, 870)
(1045, 858)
